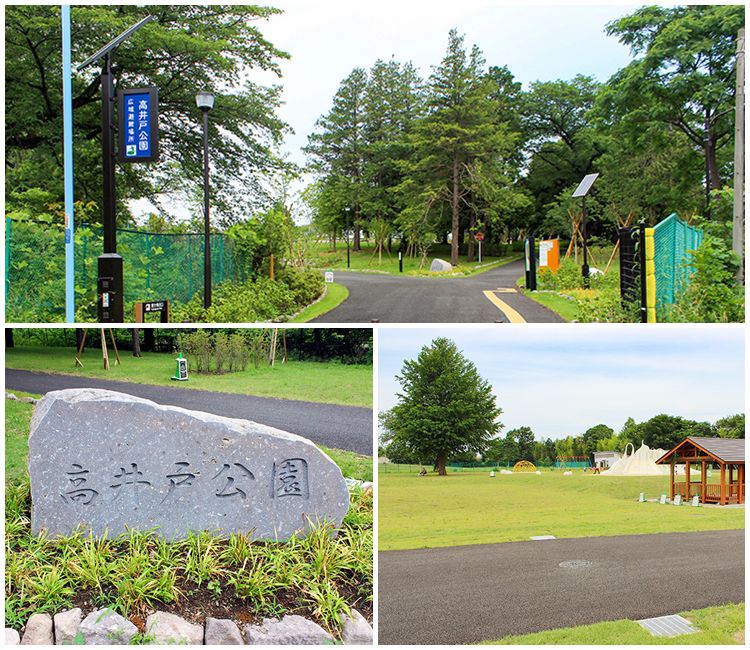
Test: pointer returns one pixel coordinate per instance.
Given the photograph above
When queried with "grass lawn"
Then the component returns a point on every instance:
(561, 305)
(363, 260)
(472, 508)
(335, 294)
(318, 577)
(332, 383)
(722, 625)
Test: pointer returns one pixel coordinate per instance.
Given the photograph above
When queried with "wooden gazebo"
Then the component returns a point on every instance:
(725, 454)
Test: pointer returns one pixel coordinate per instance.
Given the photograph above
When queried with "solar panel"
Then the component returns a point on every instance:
(585, 185)
(115, 42)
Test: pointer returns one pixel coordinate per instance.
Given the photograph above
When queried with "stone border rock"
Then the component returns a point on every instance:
(106, 627)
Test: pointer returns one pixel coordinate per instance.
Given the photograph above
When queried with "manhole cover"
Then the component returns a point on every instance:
(574, 564)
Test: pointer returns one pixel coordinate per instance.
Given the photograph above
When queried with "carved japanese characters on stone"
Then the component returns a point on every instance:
(109, 462)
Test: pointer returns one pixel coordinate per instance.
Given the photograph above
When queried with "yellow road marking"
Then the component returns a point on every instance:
(512, 315)
(505, 290)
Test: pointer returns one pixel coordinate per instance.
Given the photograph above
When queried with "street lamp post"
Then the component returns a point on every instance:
(205, 101)
(348, 258)
(581, 191)
(109, 264)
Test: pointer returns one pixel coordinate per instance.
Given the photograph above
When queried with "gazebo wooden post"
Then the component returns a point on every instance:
(741, 486)
(723, 487)
(703, 481)
(671, 479)
(687, 480)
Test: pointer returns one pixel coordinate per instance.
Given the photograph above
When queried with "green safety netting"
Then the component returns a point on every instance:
(674, 240)
(156, 266)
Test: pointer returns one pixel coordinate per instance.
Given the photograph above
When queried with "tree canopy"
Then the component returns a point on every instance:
(445, 408)
(186, 49)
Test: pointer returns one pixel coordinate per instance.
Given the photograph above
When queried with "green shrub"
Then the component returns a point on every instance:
(259, 300)
(306, 284)
(713, 295)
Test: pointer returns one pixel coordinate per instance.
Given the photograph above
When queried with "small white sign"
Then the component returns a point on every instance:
(544, 247)
(329, 276)
(105, 299)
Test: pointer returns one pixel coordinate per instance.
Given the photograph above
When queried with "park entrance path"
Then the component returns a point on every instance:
(340, 427)
(488, 297)
(468, 594)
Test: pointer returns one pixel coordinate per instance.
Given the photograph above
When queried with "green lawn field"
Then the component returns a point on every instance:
(472, 508)
(328, 259)
(335, 294)
(723, 625)
(331, 383)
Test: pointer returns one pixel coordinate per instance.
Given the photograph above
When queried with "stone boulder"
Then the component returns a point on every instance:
(290, 630)
(222, 631)
(440, 266)
(356, 630)
(163, 628)
(38, 630)
(67, 624)
(107, 627)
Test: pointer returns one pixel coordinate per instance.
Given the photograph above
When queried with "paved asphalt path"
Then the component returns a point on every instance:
(409, 299)
(341, 427)
(467, 594)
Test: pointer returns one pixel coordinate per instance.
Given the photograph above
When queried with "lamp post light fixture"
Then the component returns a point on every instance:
(348, 259)
(205, 101)
(582, 190)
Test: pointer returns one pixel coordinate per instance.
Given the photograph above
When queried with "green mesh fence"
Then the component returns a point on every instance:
(156, 266)
(674, 240)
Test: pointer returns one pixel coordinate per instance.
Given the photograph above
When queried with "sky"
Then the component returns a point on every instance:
(562, 380)
(328, 38)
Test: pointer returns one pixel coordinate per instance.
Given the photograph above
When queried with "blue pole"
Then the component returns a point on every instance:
(70, 274)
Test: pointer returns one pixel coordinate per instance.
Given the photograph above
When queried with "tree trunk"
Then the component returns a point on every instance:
(9, 338)
(79, 339)
(357, 229)
(455, 214)
(440, 464)
(714, 179)
(149, 342)
(136, 342)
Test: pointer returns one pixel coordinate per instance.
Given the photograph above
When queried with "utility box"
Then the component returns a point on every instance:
(109, 289)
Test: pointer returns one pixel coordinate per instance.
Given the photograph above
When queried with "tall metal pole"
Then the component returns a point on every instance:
(70, 276)
(585, 267)
(108, 158)
(110, 289)
(206, 219)
(738, 221)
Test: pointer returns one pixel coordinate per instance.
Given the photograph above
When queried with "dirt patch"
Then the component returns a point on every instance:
(199, 603)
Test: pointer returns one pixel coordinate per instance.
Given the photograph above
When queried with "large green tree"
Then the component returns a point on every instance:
(186, 49)
(682, 76)
(445, 408)
(337, 148)
(460, 142)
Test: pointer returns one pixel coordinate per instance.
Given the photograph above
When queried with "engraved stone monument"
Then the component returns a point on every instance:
(108, 461)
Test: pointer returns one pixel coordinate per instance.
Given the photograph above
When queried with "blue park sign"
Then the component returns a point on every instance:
(138, 121)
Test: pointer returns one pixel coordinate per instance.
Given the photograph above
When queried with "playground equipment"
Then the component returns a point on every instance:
(638, 463)
(524, 466)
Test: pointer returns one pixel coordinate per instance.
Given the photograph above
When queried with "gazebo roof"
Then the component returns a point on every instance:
(726, 450)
